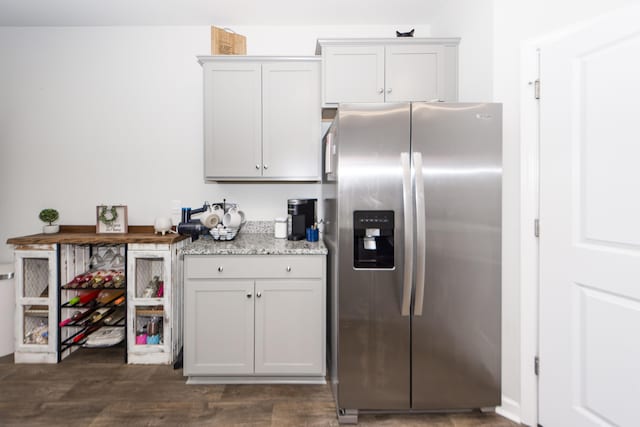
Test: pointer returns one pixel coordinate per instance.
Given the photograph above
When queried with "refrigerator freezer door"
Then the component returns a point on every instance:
(456, 340)
(373, 335)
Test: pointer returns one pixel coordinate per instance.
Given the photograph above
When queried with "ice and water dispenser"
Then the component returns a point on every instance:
(373, 239)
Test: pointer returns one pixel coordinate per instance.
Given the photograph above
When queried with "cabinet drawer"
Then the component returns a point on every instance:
(249, 266)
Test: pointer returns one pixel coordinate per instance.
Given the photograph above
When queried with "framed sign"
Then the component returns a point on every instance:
(111, 219)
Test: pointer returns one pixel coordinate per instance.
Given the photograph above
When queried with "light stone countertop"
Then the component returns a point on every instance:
(254, 244)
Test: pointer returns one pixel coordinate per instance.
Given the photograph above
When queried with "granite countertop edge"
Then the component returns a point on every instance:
(254, 244)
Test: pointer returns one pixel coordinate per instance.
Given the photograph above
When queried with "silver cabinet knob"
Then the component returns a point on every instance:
(266, 166)
(259, 294)
(257, 167)
(220, 269)
(389, 90)
(380, 91)
(249, 295)
(288, 268)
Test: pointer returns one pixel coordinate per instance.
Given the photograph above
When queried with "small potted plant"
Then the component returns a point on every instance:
(49, 216)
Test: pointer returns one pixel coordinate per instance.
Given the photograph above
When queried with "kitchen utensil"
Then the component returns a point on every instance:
(232, 219)
(210, 219)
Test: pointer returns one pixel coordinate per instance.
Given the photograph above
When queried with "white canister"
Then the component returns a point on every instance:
(280, 228)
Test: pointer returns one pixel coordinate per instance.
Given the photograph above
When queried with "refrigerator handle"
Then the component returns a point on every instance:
(421, 234)
(408, 234)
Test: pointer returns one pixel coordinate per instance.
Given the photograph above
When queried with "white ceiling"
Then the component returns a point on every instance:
(223, 12)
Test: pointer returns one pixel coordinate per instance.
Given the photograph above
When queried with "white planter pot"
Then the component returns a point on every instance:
(50, 229)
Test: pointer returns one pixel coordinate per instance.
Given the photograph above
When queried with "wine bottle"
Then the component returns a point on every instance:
(118, 280)
(97, 281)
(78, 281)
(77, 316)
(86, 280)
(98, 315)
(116, 316)
(108, 295)
(83, 298)
(108, 280)
(85, 333)
(73, 301)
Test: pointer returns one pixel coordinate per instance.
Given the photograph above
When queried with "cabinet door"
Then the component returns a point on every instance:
(149, 296)
(232, 120)
(415, 73)
(36, 328)
(289, 327)
(218, 327)
(353, 74)
(291, 120)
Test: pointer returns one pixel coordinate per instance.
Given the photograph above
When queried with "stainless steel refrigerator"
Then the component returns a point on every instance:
(412, 206)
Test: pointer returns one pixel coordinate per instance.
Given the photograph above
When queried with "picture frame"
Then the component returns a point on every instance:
(111, 219)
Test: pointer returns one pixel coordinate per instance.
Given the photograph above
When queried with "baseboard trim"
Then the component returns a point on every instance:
(509, 409)
(255, 380)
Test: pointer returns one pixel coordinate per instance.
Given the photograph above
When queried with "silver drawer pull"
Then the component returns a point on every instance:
(288, 268)
(259, 294)
(220, 269)
(249, 295)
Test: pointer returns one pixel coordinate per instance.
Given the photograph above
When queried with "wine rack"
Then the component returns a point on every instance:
(90, 299)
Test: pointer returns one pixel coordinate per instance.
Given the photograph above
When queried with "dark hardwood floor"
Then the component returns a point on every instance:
(93, 387)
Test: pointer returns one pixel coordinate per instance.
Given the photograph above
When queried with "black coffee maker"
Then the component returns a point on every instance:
(302, 215)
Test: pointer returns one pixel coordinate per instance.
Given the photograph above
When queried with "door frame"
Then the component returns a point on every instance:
(529, 213)
(529, 243)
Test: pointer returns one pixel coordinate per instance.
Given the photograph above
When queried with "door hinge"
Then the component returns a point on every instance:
(536, 89)
(536, 365)
(536, 227)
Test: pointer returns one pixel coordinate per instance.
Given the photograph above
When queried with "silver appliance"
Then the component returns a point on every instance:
(412, 205)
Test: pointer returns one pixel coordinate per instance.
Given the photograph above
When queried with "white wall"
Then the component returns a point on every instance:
(92, 115)
(514, 23)
(472, 21)
(106, 115)
(301, 40)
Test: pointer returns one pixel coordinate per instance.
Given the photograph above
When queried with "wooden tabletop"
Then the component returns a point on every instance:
(86, 235)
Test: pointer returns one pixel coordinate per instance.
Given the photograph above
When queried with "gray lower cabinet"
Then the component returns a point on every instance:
(254, 318)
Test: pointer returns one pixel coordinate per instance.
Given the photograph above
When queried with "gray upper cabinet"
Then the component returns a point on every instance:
(389, 70)
(262, 118)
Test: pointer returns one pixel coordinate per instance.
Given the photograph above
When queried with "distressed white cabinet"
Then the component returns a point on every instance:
(261, 118)
(44, 267)
(389, 70)
(154, 295)
(254, 318)
(36, 318)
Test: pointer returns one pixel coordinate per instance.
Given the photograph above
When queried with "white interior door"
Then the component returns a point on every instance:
(590, 225)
